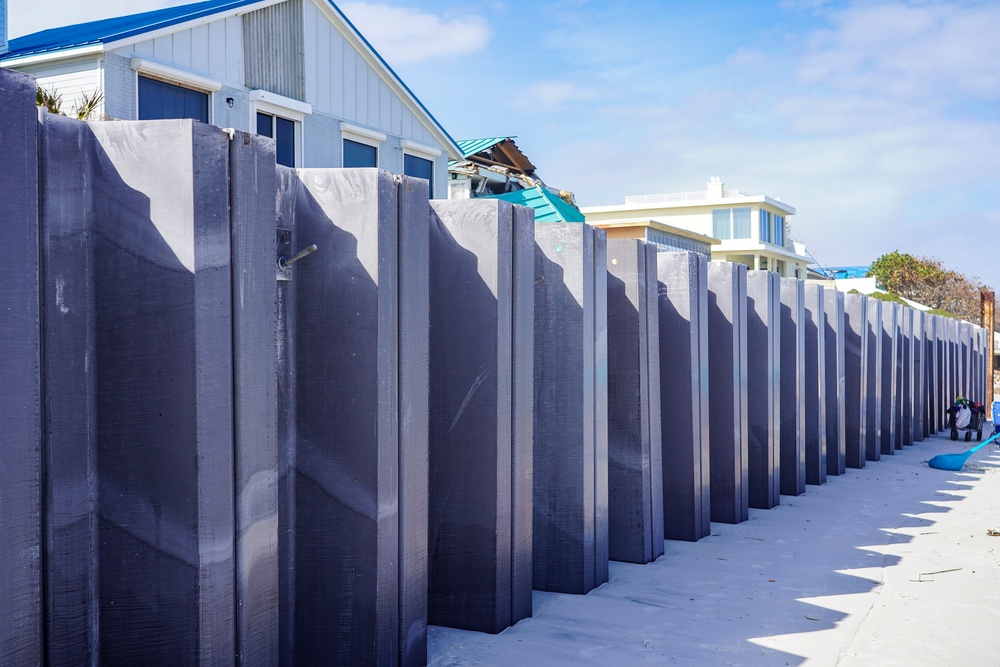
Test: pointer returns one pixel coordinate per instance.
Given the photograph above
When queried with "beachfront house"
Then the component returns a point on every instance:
(294, 70)
(736, 226)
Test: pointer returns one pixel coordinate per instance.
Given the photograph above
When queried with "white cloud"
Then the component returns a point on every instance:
(402, 35)
(551, 96)
(908, 51)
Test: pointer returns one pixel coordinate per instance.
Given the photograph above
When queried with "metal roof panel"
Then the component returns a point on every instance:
(548, 207)
(473, 146)
(117, 28)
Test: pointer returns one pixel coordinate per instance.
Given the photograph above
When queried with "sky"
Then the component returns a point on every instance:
(878, 120)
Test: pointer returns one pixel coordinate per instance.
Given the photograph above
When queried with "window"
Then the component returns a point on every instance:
(280, 118)
(419, 167)
(282, 131)
(361, 145)
(741, 223)
(731, 223)
(765, 226)
(418, 161)
(159, 100)
(779, 230)
(357, 154)
(167, 92)
(720, 223)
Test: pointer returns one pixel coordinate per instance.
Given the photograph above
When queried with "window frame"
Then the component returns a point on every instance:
(272, 104)
(731, 230)
(766, 225)
(423, 152)
(776, 227)
(151, 69)
(362, 135)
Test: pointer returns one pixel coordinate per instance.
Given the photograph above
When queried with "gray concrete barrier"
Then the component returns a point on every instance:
(635, 465)
(815, 385)
(873, 446)
(855, 379)
(900, 399)
(931, 373)
(163, 384)
(20, 393)
(72, 596)
(793, 390)
(252, 195)
(571, 408)
(478, 453)
(887, 390)
(763, 388)
(835, 389)
(683, 319)
(727, 388)
(354, 357)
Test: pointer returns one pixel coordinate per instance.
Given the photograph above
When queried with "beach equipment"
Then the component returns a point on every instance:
(956, 461)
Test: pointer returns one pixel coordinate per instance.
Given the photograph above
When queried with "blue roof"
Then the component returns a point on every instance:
(548, 207)
(115, 29)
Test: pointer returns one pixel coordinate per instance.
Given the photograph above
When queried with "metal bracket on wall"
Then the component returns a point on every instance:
(283, 246)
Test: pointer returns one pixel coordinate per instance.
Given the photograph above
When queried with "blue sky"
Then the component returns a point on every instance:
(878, 120)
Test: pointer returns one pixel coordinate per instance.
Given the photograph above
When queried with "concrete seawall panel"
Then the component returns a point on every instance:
(815, 373)
(763, 388)
(683, 319)
(793, 389)
(476, 455)
(570, 451)
(635, 464)
(835, 392)
(20, 395)
(855, 379)
(727, 371)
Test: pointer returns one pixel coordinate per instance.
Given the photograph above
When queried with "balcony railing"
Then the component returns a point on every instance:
(700, 195)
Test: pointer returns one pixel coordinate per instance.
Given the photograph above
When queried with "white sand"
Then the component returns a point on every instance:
(888, 565)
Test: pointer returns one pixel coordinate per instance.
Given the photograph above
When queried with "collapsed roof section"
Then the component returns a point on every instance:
(496, 167)
(492, 166)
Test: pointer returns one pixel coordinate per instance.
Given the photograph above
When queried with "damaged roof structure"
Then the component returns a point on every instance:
(495, 167)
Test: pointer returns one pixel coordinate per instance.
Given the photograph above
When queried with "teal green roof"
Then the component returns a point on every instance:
(548, 206)
(473, 146)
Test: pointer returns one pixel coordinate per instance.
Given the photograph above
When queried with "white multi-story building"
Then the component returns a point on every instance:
(749, 229)
(295, 70)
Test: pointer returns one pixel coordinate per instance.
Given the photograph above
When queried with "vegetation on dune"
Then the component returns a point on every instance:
(927, 281)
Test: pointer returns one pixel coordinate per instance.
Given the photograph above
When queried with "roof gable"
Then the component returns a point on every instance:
(120, 31)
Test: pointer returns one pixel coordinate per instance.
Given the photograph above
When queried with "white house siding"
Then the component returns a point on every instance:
(119, 87)
(278, 67)
(237, 116)
(390, 155)
(72, 79)
(341, 83)
(214, 50)
(323, 145)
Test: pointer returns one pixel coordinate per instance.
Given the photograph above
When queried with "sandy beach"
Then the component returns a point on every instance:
(887, 565)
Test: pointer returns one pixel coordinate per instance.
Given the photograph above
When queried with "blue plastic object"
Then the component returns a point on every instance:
(956, 461)
(996, 413)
